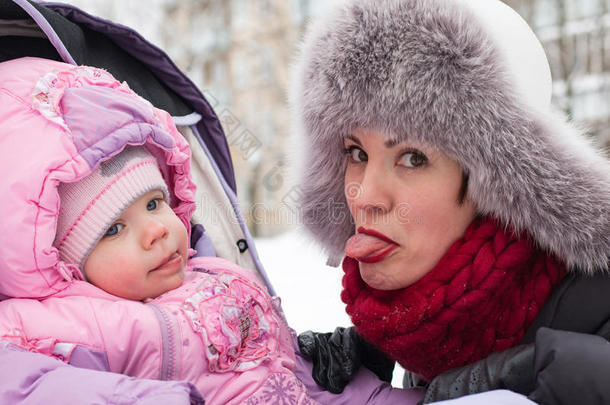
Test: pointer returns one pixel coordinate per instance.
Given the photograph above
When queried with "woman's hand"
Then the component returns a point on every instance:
(337, 356)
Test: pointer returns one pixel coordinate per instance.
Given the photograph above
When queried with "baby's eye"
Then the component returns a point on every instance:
(355, 154)
(153, 204)
(413, 159)
(114, 229)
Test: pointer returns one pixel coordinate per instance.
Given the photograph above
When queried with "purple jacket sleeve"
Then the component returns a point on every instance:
(365, 388)
(31, 378)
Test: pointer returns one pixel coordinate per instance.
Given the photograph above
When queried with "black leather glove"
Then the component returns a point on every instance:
(512, 369)
(337, 356)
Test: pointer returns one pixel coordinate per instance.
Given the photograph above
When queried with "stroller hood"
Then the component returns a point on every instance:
(59, 122)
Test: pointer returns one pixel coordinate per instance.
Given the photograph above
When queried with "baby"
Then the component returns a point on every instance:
(125, 295)
(218, 326)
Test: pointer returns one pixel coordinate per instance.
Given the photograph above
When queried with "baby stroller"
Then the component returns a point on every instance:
(64, 33)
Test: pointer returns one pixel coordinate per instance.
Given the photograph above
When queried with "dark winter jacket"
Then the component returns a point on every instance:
(565, 347)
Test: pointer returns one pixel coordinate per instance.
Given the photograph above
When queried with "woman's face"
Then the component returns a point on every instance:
(404, 198)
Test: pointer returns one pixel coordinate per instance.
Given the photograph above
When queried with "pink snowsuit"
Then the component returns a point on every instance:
(220, 330)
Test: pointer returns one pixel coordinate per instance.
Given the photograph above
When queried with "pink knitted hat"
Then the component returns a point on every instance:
(89, 206)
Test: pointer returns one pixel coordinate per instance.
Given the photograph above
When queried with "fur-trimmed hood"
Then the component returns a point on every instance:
(430, 71)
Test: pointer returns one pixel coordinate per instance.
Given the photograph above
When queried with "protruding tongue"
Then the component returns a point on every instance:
(362, 245)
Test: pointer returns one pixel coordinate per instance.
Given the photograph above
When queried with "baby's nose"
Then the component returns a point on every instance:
(153, 232)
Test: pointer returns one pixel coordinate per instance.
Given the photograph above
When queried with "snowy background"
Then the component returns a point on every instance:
(308, 288)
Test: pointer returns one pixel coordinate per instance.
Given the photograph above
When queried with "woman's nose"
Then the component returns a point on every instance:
(153, 232)
(371, 193)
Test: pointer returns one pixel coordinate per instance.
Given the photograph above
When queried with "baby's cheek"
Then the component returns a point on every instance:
(121, 261)
(122, 268)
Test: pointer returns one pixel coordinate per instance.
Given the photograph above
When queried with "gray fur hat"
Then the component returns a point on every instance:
(470, 78)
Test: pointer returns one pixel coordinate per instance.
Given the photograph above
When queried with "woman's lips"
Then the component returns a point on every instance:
(369, 246)
(376, 234)
(378, 255)
(171, 263)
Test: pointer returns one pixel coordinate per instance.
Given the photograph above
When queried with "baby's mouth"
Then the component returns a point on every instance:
(169, 262)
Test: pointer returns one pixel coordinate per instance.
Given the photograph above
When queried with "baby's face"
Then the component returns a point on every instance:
(143, 254)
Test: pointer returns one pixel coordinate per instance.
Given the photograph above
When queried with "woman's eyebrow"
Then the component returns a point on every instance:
(353, 138)
(390, 143)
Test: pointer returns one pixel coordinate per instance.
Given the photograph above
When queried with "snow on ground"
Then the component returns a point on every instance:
(308, 288)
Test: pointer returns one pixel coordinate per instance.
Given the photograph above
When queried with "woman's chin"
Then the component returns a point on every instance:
(374, 276)
(383, 276)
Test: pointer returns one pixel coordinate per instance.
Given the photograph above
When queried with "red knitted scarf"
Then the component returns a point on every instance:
(480, 298)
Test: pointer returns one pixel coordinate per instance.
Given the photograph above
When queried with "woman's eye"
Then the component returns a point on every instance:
(356, 154)
(114, 229)
(152, 204)
(413, 159)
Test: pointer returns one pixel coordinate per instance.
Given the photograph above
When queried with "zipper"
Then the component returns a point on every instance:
(170, 347)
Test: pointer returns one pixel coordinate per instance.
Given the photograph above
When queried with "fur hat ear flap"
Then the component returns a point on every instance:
(470, 78)
(548, 179)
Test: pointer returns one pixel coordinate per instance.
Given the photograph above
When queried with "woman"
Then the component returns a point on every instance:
(474, 221)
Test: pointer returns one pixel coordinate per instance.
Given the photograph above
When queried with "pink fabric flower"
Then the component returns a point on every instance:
(236, 322)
